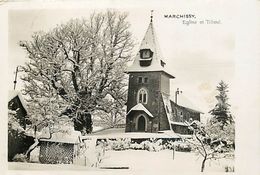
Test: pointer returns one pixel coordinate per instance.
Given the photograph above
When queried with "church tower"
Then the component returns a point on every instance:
(149, 84)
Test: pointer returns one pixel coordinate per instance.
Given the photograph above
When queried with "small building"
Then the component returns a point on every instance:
(149, 104)
(18, 142)
(17, 103)
(61, 148)
(183, 114)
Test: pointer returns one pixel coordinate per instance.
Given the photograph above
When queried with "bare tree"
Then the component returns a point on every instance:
(213, 142)
(115, 109)
(112, 119)
(77, 66)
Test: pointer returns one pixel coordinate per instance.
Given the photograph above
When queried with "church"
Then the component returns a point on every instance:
(149, 104)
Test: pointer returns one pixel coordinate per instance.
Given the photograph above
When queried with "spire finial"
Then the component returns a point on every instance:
(151, 15)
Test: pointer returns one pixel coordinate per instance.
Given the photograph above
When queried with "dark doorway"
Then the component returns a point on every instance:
(141, 124)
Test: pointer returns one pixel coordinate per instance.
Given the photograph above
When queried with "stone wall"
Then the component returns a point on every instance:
(157, 83)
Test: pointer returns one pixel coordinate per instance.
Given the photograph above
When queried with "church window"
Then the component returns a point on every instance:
(142, 96)
(140, 79)
(145, 80)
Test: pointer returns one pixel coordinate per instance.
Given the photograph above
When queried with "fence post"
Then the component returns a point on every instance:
(173, 152)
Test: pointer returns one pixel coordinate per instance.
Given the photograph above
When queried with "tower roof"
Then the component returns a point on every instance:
(158, 63)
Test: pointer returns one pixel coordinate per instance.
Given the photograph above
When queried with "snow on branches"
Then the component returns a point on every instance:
(13, 122)
(212, 142)
(77, 64)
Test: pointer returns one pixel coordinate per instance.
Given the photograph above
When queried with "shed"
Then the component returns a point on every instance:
(61, 148)
(18, 142)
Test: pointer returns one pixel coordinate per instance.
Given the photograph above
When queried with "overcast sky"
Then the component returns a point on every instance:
(199, 56)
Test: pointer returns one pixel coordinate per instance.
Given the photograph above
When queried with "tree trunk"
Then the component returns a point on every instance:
(34, 145)
(83, 123)
(31, 148)
(203, 164)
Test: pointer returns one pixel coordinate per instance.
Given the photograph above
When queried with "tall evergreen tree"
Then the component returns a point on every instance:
(221, 111)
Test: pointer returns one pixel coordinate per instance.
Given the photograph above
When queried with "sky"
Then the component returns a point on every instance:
(198, 55)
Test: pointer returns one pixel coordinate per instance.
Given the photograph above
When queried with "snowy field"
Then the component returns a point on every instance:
(142, 161)
(138, 162)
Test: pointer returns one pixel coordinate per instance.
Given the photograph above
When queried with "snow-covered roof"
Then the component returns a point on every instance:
(150, 42)
(185, 102)
(13, 94)
(140, 107)
(73, 137)
(179, 123)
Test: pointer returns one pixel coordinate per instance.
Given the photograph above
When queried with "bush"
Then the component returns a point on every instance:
(154, 145)
(179, 146)
(119, 144)
(136, 146)
(20, 158)
(125, 144)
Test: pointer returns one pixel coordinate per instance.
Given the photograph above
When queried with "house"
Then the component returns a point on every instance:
(149, 104)
(18, 142)
(17, 103)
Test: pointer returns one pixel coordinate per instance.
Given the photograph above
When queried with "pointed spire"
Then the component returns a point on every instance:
(149, 42)
(151, 16)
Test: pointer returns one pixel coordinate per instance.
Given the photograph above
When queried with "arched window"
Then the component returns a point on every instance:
(142, 96)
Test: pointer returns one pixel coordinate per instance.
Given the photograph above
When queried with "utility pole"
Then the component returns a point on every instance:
(176, 94)
(15, 79)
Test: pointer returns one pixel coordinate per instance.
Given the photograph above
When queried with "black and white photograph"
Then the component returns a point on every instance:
(132, 88)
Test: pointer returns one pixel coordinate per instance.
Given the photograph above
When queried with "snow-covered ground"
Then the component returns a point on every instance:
(139, 162)
(142, 161)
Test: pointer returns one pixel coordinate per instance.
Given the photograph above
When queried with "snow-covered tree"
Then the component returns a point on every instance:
(221, 111)
(112, 119)
(115, 111)
(13, 124)
(211, 142)
(73, 68)
(16, 136)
